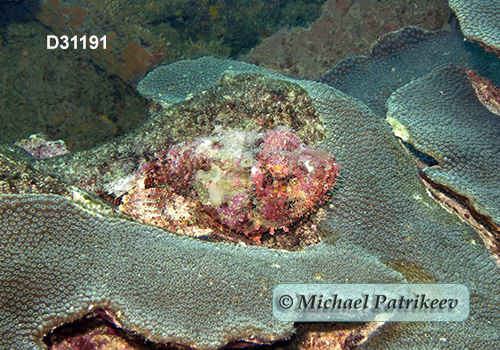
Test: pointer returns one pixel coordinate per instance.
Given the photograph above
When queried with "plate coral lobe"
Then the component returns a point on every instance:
(384, 227)
(249, 182)
(66, 263)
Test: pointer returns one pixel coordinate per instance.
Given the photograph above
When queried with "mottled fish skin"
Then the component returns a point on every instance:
(383, 227)
(248, 182)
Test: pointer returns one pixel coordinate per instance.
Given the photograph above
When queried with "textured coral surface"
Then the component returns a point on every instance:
(441, 116)
(383, 226)
(66, 262)
(479, 21)
(399, 57)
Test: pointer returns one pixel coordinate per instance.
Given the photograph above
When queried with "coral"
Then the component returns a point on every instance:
(345, 28)
(400, 57)
(442, 116)
(383, 224)
(479, 21)
(67, 263)
(237, 98)
(248, 182)
(178, 88)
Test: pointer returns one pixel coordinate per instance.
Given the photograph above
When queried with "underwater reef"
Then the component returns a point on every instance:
(479, 22)
(383, 171)
(144, 34)
(345, 28)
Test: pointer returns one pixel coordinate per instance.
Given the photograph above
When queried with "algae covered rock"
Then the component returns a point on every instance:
(380, 226)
